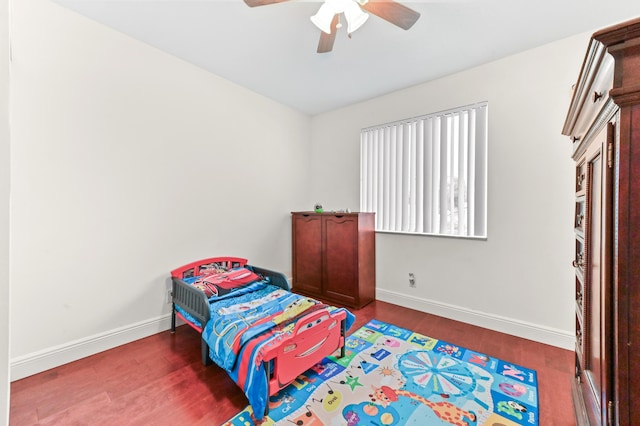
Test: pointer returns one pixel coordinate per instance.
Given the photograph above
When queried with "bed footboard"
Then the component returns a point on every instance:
(192, 300)
(325, 334)
(195, 302)
(315, 337)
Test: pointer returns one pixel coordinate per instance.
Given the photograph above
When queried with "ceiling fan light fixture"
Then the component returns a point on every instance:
(322, 19)
(355, 17)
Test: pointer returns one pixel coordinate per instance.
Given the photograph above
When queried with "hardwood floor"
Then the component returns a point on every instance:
(160, 380)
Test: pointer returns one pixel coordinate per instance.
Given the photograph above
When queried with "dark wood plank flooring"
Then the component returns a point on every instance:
(160, 380)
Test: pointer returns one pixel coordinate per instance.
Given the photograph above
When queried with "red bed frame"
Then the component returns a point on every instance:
(315, 336)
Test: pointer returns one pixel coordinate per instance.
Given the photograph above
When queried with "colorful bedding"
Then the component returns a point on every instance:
(201, 283)
(245, 324)
(220, 283)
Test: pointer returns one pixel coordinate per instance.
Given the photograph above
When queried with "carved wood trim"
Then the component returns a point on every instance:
(619, 33)
(626, 96)
(581, 92)
(606, 114)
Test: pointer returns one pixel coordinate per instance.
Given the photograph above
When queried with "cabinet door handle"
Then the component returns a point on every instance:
(578, 264)
(338, 216)
(579, 338)
(597, 96)
(579, 261)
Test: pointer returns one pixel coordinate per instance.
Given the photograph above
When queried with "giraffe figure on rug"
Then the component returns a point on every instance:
(444, 410)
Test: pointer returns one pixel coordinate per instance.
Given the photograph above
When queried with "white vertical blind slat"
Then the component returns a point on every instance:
(435, 176)
(419, 202)
(481, 171)
(471, 173)
(367, 172)
(428, 178)
(406, 177)
(392, 178)
(452, 172)
(399, 177)
(444, 165)
(363, 171)
(461, 190)
(386, 172)
(378, 159)
(411, 205)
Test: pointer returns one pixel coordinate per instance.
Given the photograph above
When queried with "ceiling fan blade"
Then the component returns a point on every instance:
(326, 40)
(393, 12)
(254, 3)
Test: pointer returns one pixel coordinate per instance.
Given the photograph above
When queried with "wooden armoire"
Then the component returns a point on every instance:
(603, 123)
(334, 256)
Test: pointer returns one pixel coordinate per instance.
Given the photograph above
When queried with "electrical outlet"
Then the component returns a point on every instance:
(412, 280)
(169, 296)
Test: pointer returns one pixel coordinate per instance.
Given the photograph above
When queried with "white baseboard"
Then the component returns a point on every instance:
(46, 359)
(550, 336)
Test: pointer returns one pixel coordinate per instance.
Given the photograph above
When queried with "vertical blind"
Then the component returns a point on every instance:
(427, 175)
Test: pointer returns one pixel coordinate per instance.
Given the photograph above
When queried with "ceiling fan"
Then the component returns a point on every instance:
(328, 16)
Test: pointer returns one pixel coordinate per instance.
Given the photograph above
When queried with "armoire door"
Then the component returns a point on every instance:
(341, 258)
(596, 380)
(307, 253)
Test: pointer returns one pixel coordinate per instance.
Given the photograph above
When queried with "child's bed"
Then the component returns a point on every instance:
(251, 324)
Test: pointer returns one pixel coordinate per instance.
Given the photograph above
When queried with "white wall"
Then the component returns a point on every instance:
(127, 163)
(4, 212)
(520, 279)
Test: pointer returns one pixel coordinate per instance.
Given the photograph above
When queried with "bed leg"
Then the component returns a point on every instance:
(267, 370)
(204, 348)
(343, 333)
(173, 318)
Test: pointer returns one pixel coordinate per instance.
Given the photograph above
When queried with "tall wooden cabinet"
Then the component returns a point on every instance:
(334, 256)
(603, 123)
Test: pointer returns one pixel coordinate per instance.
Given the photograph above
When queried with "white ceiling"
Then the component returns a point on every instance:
(272, 49)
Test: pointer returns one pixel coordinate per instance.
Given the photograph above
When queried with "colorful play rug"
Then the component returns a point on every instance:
(393, 376)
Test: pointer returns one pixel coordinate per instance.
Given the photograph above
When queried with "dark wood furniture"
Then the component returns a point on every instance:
(604, 124)
(334, 256)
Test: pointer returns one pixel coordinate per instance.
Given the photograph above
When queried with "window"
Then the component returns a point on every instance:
(427, 175)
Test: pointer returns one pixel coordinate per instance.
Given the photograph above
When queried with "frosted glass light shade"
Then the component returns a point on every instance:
(322, 19)
(355, 17)
(353, 14)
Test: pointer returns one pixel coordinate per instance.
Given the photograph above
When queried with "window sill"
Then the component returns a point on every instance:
(422, 234)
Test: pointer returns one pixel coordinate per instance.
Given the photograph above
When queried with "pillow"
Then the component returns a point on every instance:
(220, 283)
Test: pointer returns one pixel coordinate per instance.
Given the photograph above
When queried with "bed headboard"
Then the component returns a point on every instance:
(194, 269)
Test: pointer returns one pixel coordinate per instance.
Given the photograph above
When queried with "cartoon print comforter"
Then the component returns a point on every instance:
(242, 327)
